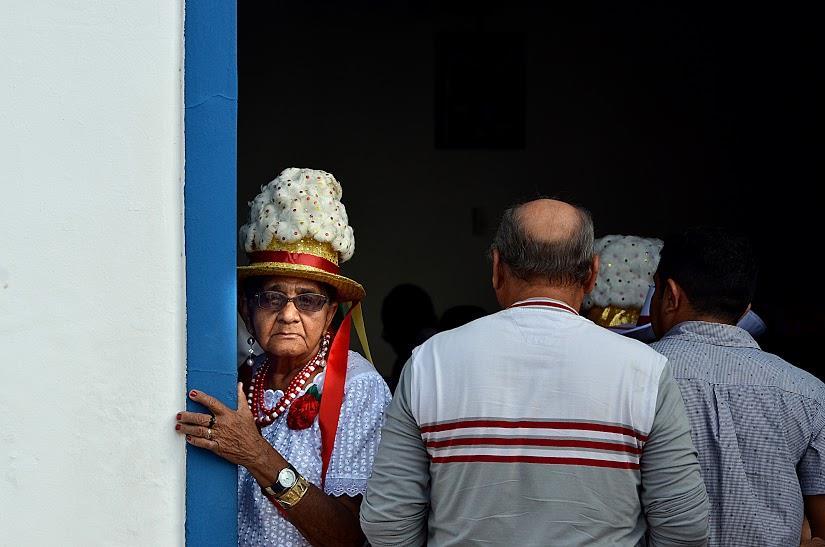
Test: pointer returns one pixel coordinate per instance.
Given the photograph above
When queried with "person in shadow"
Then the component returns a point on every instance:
(408, 319)
(460, 315)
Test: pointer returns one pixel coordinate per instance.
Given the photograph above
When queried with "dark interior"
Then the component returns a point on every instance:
(435, 118)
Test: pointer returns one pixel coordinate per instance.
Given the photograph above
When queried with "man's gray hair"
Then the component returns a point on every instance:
(563, 262)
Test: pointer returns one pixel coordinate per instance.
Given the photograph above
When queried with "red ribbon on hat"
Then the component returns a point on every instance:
(303, 259)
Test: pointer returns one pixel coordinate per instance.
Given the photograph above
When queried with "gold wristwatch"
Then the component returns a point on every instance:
(291, 497)
(289, 487)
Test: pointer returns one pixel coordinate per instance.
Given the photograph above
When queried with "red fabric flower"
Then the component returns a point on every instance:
(304, 409)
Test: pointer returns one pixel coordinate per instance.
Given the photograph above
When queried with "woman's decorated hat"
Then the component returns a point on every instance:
(623, 286)
(298, 227)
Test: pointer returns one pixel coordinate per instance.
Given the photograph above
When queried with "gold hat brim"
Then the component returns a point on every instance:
(347, 290)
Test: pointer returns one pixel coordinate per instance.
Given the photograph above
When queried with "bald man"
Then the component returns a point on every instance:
(534, 426)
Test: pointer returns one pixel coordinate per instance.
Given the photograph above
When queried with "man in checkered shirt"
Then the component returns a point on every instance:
(757, 421)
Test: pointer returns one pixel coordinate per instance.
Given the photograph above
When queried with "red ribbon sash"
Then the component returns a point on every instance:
(287, 257)
(333, 395)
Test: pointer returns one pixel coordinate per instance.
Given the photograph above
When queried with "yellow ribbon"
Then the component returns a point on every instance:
(360, 329)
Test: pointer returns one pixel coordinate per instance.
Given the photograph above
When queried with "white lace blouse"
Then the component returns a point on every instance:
(366, 396)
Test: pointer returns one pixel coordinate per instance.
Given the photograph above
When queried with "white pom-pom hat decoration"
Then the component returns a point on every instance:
(625, 277)
(298, 227)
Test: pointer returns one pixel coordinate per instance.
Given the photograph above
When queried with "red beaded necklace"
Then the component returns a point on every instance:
(255, 394)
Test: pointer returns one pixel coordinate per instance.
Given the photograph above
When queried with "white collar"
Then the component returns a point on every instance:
(545, 303)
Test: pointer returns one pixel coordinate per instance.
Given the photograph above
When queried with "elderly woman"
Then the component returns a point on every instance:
(309, 411)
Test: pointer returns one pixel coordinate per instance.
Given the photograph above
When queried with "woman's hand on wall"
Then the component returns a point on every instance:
(231, 434)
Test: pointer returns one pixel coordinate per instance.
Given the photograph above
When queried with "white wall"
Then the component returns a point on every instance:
(91, 273)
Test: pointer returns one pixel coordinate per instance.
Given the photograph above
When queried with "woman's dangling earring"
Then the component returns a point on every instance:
(251, 359)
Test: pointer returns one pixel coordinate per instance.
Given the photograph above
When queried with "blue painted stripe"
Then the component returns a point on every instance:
(211, 105)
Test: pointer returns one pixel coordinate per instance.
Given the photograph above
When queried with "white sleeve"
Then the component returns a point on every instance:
(366, 397)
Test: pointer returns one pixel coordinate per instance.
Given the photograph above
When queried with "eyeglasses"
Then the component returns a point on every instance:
(276, 300)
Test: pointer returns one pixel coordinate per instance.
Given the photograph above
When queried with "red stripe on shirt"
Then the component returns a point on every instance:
(587, 462)
(530, 424)
(534, 441)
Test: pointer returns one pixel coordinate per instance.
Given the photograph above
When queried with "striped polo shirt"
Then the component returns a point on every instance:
(534, 426)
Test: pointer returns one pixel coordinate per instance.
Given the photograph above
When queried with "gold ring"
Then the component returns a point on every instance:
(209, 433)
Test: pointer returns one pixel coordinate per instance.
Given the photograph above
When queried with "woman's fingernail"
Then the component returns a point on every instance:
(177, 427)
(194, 393)
(188, 438)
(178, 416)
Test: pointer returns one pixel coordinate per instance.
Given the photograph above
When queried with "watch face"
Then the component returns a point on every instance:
(286, 478)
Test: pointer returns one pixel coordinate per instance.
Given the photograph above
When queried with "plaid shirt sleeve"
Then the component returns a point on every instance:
(811, 468)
